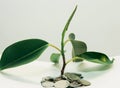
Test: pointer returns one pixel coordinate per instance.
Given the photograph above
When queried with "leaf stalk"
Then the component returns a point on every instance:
(55, 47)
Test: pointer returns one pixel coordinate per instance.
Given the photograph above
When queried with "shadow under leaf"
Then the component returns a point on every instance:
(86, 68)
(93, 71)
(17, 78)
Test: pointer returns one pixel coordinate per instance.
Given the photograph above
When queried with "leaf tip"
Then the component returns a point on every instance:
(76, 6)
(112, 60)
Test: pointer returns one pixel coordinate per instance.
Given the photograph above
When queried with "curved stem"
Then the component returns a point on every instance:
(62, 51)
(63, 55)
(70, 60)
(55, 47)
(66, 41)
(64, 64)
(74, 58)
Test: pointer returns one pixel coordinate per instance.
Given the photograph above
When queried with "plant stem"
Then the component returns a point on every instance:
(64, 65)
(66, 41)
(62, 53)
(62, 40)
(55, 47)
(70, 60)
(63, 56)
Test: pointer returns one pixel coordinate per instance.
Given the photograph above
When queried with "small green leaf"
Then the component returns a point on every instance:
(72, 36)
(70, 18)
(55, 57)
(66, 27)
(79, 47)
(22, 52)
(96, 57)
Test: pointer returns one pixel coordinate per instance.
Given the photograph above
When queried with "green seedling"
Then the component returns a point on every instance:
(26, 51)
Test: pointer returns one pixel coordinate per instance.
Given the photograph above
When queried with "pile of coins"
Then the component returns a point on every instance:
(68, 80)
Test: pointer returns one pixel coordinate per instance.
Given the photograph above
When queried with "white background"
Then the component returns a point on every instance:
(97, 22)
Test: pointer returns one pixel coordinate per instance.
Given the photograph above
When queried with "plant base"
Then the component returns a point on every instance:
(68, 80)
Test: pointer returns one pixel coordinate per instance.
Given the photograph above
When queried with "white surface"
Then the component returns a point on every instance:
(97, 22)
(29, 76)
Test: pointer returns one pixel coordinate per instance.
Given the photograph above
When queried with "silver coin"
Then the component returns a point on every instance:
(47, 84)
(85, 82)
(62, 84)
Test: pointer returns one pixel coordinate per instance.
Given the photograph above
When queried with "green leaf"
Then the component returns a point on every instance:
(69, 20)
(96, 57)
(72, 36)
(66, 27)
(22, 52)
(55, 57)
(79, 47)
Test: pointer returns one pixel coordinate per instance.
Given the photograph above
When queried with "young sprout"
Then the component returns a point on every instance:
(26, 51)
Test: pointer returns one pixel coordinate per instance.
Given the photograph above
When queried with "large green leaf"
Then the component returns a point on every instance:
(22, 52)
(79, 47)
(96, 57)
(55, 57)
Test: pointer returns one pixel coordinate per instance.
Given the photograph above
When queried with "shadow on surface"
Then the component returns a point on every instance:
(94, 71)
(85, 68)
(17, 78)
